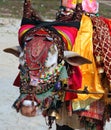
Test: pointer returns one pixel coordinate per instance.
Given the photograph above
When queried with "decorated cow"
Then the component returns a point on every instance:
(62, 66)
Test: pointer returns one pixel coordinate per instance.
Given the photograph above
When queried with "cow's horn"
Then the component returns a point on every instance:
(75, 59)
(13, 50)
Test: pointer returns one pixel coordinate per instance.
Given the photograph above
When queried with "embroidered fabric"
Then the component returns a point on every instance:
(102, 46)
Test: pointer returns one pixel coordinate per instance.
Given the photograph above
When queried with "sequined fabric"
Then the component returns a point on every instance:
(29, 12)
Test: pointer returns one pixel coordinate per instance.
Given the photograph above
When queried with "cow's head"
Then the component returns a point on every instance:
(48, 77)
(70, 57)
(44, 70)
(44, 58)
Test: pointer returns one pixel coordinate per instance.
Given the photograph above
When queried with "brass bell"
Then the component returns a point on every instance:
(54, 114)
(57, 116)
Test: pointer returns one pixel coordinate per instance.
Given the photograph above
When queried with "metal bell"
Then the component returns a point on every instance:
(54, 114)
(57, 116)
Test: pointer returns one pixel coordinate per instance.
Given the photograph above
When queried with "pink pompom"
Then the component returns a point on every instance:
(90, 6)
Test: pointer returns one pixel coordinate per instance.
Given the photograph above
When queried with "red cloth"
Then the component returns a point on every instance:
(17, 81)
(74, 82)
(95, 111)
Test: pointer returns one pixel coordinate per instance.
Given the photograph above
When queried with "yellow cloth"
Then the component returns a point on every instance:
(83, 46)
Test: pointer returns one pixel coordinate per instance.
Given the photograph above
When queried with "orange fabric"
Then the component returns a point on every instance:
(83, 46)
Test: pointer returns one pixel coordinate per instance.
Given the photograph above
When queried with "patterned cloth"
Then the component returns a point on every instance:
(95, 111)
(92, 118)
(29, 12)
(102, 45)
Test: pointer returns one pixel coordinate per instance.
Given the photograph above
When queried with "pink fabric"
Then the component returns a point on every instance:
(23, 29)
(71, 32)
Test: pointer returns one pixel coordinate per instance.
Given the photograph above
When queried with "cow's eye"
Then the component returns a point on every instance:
(48, 39)
(29, 38)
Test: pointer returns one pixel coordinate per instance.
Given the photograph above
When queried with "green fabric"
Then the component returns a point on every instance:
(45, 95)
(63, 73)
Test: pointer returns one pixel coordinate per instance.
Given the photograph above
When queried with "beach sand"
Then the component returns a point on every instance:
(9, 118)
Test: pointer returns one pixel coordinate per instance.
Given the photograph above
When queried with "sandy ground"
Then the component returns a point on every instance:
(9, 119)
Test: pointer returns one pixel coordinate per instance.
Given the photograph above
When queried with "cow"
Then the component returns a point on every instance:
(50, 75)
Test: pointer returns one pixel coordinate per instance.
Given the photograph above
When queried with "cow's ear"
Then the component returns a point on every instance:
(75, 59)
(15, 50)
